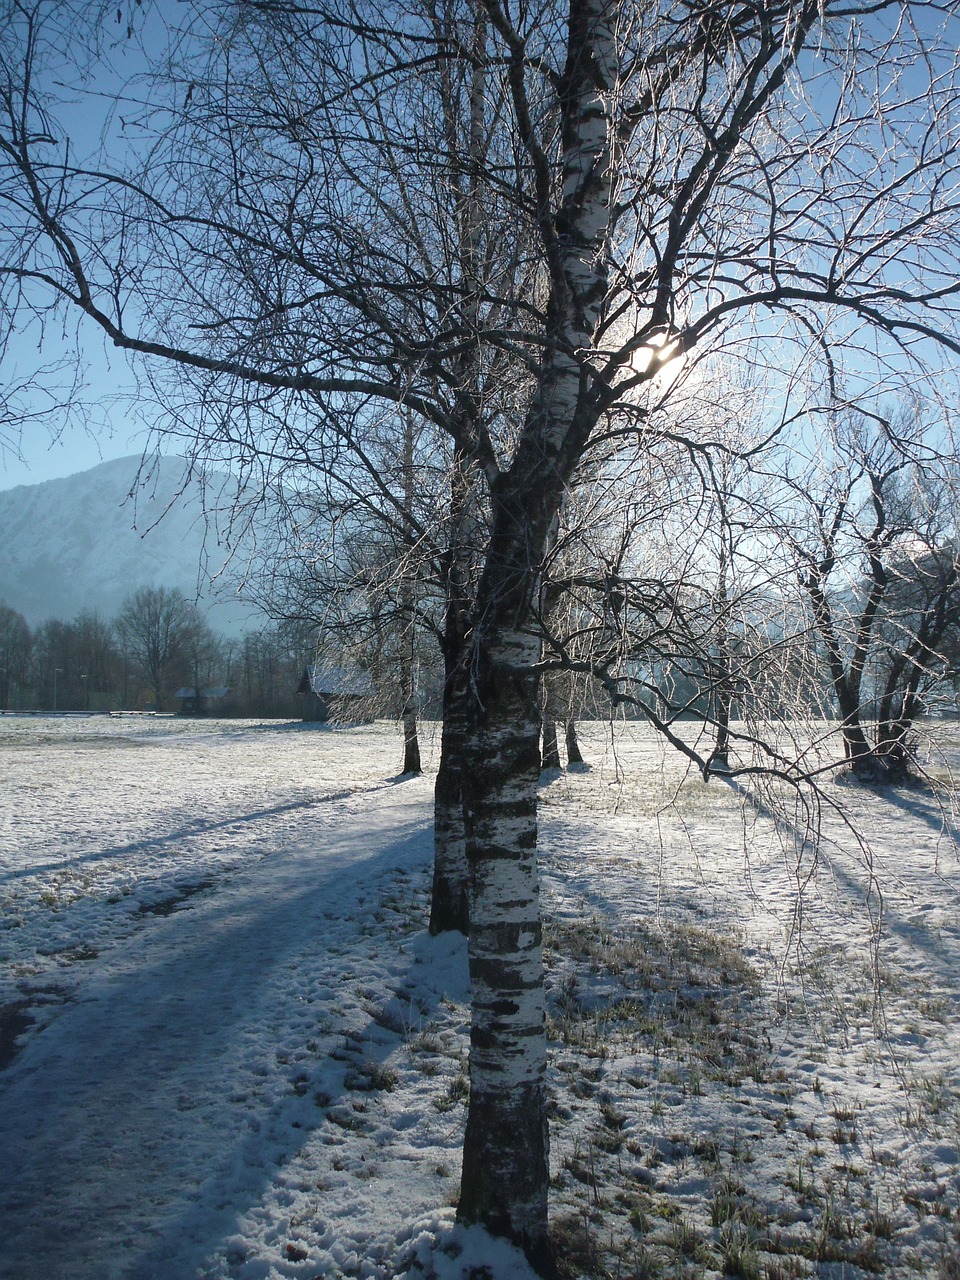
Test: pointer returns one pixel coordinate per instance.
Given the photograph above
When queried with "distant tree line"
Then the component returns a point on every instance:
(158, 643)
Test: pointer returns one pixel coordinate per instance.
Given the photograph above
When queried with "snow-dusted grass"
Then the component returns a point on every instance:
(234, 1052)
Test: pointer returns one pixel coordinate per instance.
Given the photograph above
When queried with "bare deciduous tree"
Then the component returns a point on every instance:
(675, 186)
(15, 646)
(163, 636)
(877, 560)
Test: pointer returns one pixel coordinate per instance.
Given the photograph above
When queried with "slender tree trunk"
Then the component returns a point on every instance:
(449, 901)
(505, 1175)
(411, 739)
(550, 756)
(720, 756)
(574, 755)
(722, 693)
(719, 760)
(449, 904)
(408, 602)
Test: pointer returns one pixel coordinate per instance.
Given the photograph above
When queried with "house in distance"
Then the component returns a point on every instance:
(337, 694)
(201, 702)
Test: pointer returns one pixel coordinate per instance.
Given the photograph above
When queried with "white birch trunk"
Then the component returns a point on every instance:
(505, 1169)
(506, 1151)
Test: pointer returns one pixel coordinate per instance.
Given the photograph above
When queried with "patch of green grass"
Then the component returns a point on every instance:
(726, 1198)
(457, 1093)
(739, 1255)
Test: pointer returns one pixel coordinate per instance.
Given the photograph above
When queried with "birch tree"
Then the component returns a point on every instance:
(775, 182)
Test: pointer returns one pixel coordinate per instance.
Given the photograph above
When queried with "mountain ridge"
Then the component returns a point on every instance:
(87, 541)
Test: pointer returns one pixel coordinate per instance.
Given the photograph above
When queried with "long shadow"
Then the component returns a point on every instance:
(915, 935)
(175, 837)
(923, 805)
(342, 1076)
(110, 1104)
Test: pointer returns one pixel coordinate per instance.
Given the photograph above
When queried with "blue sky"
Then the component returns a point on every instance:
(104, 421)
(55, 446)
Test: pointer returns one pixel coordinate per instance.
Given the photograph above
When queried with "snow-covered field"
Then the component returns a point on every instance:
(232, 1051)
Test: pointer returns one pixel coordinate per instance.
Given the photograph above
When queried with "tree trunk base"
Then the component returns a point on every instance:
(550, 754)
(574, 756)
(719, 763)
(874, 771)
(493, 1202)
(411, 744)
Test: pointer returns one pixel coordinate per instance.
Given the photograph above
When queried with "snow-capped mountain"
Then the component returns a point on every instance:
(88, 541)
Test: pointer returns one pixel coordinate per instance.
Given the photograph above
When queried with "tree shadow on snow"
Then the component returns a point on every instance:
(166, 1102)
(865, 884)
(177, 837)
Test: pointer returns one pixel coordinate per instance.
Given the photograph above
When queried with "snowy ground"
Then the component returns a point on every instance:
(232, 1052)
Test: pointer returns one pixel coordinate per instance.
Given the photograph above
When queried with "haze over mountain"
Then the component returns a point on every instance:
(88, 541)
